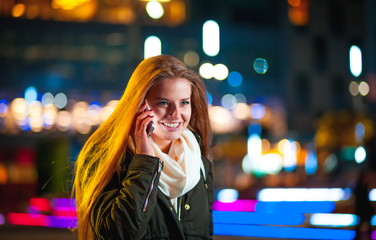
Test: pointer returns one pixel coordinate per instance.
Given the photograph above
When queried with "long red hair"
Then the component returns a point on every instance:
(101, 155)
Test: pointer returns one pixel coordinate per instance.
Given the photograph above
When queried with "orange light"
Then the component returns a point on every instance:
(294, 3)
(177, 12)
(18, 10)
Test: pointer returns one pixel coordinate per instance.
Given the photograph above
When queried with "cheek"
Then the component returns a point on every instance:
(186, 115)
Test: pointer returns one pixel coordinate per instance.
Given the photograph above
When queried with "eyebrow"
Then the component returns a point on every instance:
(160, 98)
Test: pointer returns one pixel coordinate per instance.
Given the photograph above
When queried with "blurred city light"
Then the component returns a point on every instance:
(295, 207)
(360, 154)
(363, 88)
(311, 159)
(3, 107)
(154, 9)
(359, 132)
(251, 230)
(372, 195)
(303, 194)
(228, 101)
(257, 111)
(152, 47)
(227, 195)
(244, 218)
(355, 60)
(206, 70)
(61, 100)
(220, 71)
(333, 220)
(242, 111)
(260, 65)
(240, 98)
(354, 88)
(210, 98)
(210, 38)
(191, 59)
(239, 205)
(31, 94)
(235, 79)
(47, 99)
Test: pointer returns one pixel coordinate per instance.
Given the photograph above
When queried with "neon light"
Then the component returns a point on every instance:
(227, 195)
(41, 204)
(303, 194)
(63, 202)
(62, 222)
(333, 219)
(373, 235)
(2, 219)
(28, 219)
(240, 205)
(295, 207)
(64, 211)
(257, 218)
(282, 232)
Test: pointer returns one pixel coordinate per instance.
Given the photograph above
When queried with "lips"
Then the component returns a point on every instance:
(171, 125)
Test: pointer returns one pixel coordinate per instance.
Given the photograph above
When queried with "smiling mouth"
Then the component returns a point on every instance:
(171, 125)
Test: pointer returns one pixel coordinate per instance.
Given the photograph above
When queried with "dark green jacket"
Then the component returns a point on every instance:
(132, 206)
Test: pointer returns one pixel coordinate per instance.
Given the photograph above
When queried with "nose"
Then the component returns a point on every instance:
(174, 111)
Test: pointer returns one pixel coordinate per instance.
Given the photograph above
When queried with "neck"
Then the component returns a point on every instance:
(164, 145)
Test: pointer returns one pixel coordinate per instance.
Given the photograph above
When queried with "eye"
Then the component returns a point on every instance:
(162, 103)
(185, 102)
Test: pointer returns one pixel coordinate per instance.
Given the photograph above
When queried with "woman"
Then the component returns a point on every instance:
(135, 183)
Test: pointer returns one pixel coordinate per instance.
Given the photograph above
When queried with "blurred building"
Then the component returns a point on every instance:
(288, 78)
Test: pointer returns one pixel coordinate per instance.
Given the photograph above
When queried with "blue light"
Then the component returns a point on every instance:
(360, 131)
(226, 217)
(282, 232)
(25, 124)
(31, 94)
(95, 103)
(257, 111)
(254, 128)
(235, 79)
(296, 207)
(210, 98)
(3, 106)
(311, 160)
(260, 65)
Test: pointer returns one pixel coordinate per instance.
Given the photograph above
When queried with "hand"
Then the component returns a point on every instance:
(139, 133)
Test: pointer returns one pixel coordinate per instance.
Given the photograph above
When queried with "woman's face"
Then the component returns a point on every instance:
(170, 101)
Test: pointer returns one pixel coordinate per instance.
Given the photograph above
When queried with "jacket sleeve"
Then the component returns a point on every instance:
(124, 213)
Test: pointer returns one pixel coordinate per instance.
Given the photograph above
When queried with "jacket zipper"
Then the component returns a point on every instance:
(179, 208)
(160, 164)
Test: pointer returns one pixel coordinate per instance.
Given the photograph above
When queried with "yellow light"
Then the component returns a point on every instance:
(281, 145)
(242, 111)
(154, 9)
(363, 88)
(18, 10)
(177, 12)
(265, 144)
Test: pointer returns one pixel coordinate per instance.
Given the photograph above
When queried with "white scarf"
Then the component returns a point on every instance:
(181, 166)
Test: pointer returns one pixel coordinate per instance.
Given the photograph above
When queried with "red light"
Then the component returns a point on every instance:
(42, 204)
(28, 219)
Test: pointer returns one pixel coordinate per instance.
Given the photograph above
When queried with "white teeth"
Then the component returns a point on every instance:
(171, 125)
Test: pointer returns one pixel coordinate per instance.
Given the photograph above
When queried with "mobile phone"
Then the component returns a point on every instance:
(150, 126)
